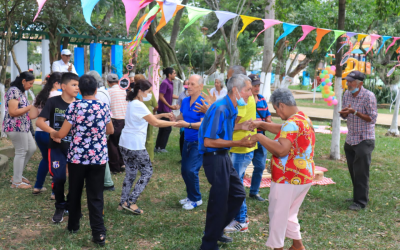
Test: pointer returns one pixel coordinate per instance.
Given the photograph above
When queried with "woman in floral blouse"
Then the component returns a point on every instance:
(89, 121)
(17, 124)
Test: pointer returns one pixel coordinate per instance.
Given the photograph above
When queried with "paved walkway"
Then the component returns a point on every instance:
(327, 114)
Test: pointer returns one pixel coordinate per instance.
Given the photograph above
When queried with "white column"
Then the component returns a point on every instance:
(46, 67)
(21, 55)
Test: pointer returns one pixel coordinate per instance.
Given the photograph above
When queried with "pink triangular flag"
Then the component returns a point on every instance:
(268, 23)
(374, 37)
(40, 3)
(306, 30)
(394, 41)
(132, 7)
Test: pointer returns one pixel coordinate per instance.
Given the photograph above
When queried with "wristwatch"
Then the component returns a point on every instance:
(190, 125)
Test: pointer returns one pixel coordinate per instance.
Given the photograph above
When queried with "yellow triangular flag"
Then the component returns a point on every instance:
(360, 37)
(246, 21)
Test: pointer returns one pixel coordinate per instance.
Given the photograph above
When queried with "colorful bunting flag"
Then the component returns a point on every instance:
(223, 17)
(132, 7)
(40, 4)
(287, 29)
(320, 34)
(163, 22)
(246, 21)
(337, 34)
(351, 34)
(374, 37)
(384, 39)
(267, 24)
(306, 30)
(87, 8)
(195, 13)
(361, 36)
(394, 41)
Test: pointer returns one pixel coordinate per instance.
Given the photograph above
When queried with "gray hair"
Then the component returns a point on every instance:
(238, 81)
(237, 69)
(282, 95)
(97, 77)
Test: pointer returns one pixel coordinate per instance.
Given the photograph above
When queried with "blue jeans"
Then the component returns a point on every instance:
(191, 164)
(240, 163)
(42, 140)
(260, 156)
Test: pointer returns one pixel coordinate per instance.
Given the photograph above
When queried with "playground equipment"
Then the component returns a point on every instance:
(354, 64)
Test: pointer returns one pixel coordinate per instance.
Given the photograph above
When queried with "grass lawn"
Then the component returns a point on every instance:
(25, 220)
(322, 104)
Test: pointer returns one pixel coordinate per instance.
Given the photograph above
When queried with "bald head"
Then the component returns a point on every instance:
(195, 85)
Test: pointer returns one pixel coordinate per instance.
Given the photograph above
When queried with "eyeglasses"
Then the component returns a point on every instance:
(67, 55)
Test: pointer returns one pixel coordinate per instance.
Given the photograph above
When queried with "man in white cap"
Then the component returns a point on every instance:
(64, 65)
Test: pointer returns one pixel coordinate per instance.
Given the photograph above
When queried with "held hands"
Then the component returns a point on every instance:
(347, 111)
(202, 108)
(182, 124)
(53, 136)
(170, 116)
(175, 107)
(249, 141)
(249, 125)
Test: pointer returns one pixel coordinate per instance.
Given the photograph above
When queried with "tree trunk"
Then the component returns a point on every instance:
(15, 60)
(217, 62)
(394, 128)
(280, 64)
(54, 45)
(292, 63)
(335, 142)
(175, 28)
(299, 67)
(167, 53)
(65, 45)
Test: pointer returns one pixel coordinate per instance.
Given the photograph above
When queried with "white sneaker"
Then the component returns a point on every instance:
(184, 201)
(192, 204)
(235, 226)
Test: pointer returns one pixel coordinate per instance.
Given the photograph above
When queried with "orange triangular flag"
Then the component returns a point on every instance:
(320, 34)
(162, 21)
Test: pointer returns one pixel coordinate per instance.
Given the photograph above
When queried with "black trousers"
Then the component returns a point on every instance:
(163, 135)
(94, 177)
(358, 161)
(115, 158)
(226, 196)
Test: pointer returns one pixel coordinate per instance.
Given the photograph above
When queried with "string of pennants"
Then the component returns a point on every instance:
(169, 9)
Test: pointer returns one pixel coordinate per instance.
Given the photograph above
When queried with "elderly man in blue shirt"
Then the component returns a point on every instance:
(215, 140)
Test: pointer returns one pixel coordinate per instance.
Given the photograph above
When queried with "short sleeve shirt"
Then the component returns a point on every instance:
(166, 88)
(16, 124)
(247, 112)
(89, 141)
(218, 123)
(297, 167)
(191, 116)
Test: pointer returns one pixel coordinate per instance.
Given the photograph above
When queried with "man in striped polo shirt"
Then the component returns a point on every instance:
(260, 154)
(118, 112)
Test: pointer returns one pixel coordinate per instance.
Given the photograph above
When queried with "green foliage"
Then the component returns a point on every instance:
(33, 57)
(247, 49)
(383, 93)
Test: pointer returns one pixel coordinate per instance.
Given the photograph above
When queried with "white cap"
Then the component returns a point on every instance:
(66, 52)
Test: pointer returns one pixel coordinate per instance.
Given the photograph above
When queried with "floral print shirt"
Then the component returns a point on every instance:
(297, 167)
(89, 141)
(16, 124)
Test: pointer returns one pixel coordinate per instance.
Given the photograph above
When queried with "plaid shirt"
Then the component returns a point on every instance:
(118, 102)
(365, 103)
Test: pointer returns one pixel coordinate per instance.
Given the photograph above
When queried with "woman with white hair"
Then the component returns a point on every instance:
(292, 168)
(219, 91)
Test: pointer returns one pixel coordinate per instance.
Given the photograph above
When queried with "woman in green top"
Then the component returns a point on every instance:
(152, 104)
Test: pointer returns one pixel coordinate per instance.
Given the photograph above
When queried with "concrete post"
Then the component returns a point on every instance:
(46, 66)
(21, 55)
(117, 59)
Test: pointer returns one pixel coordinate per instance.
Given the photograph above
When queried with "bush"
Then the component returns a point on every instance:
(382, 93)
(8, 75)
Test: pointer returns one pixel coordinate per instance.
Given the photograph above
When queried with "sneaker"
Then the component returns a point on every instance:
(192, 204)
(58, 215)
(235, 226)
(156, 150)
(112, 188)
(256, 197)
(247, 220)
(355, 207)
(162, 151)
(184, 201)
(225, 239)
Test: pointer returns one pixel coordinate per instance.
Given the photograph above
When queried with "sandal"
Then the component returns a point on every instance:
(21, 185)
(100, 240)
(37, 191)
(132, 208)
(24, 179)
(52, 196)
